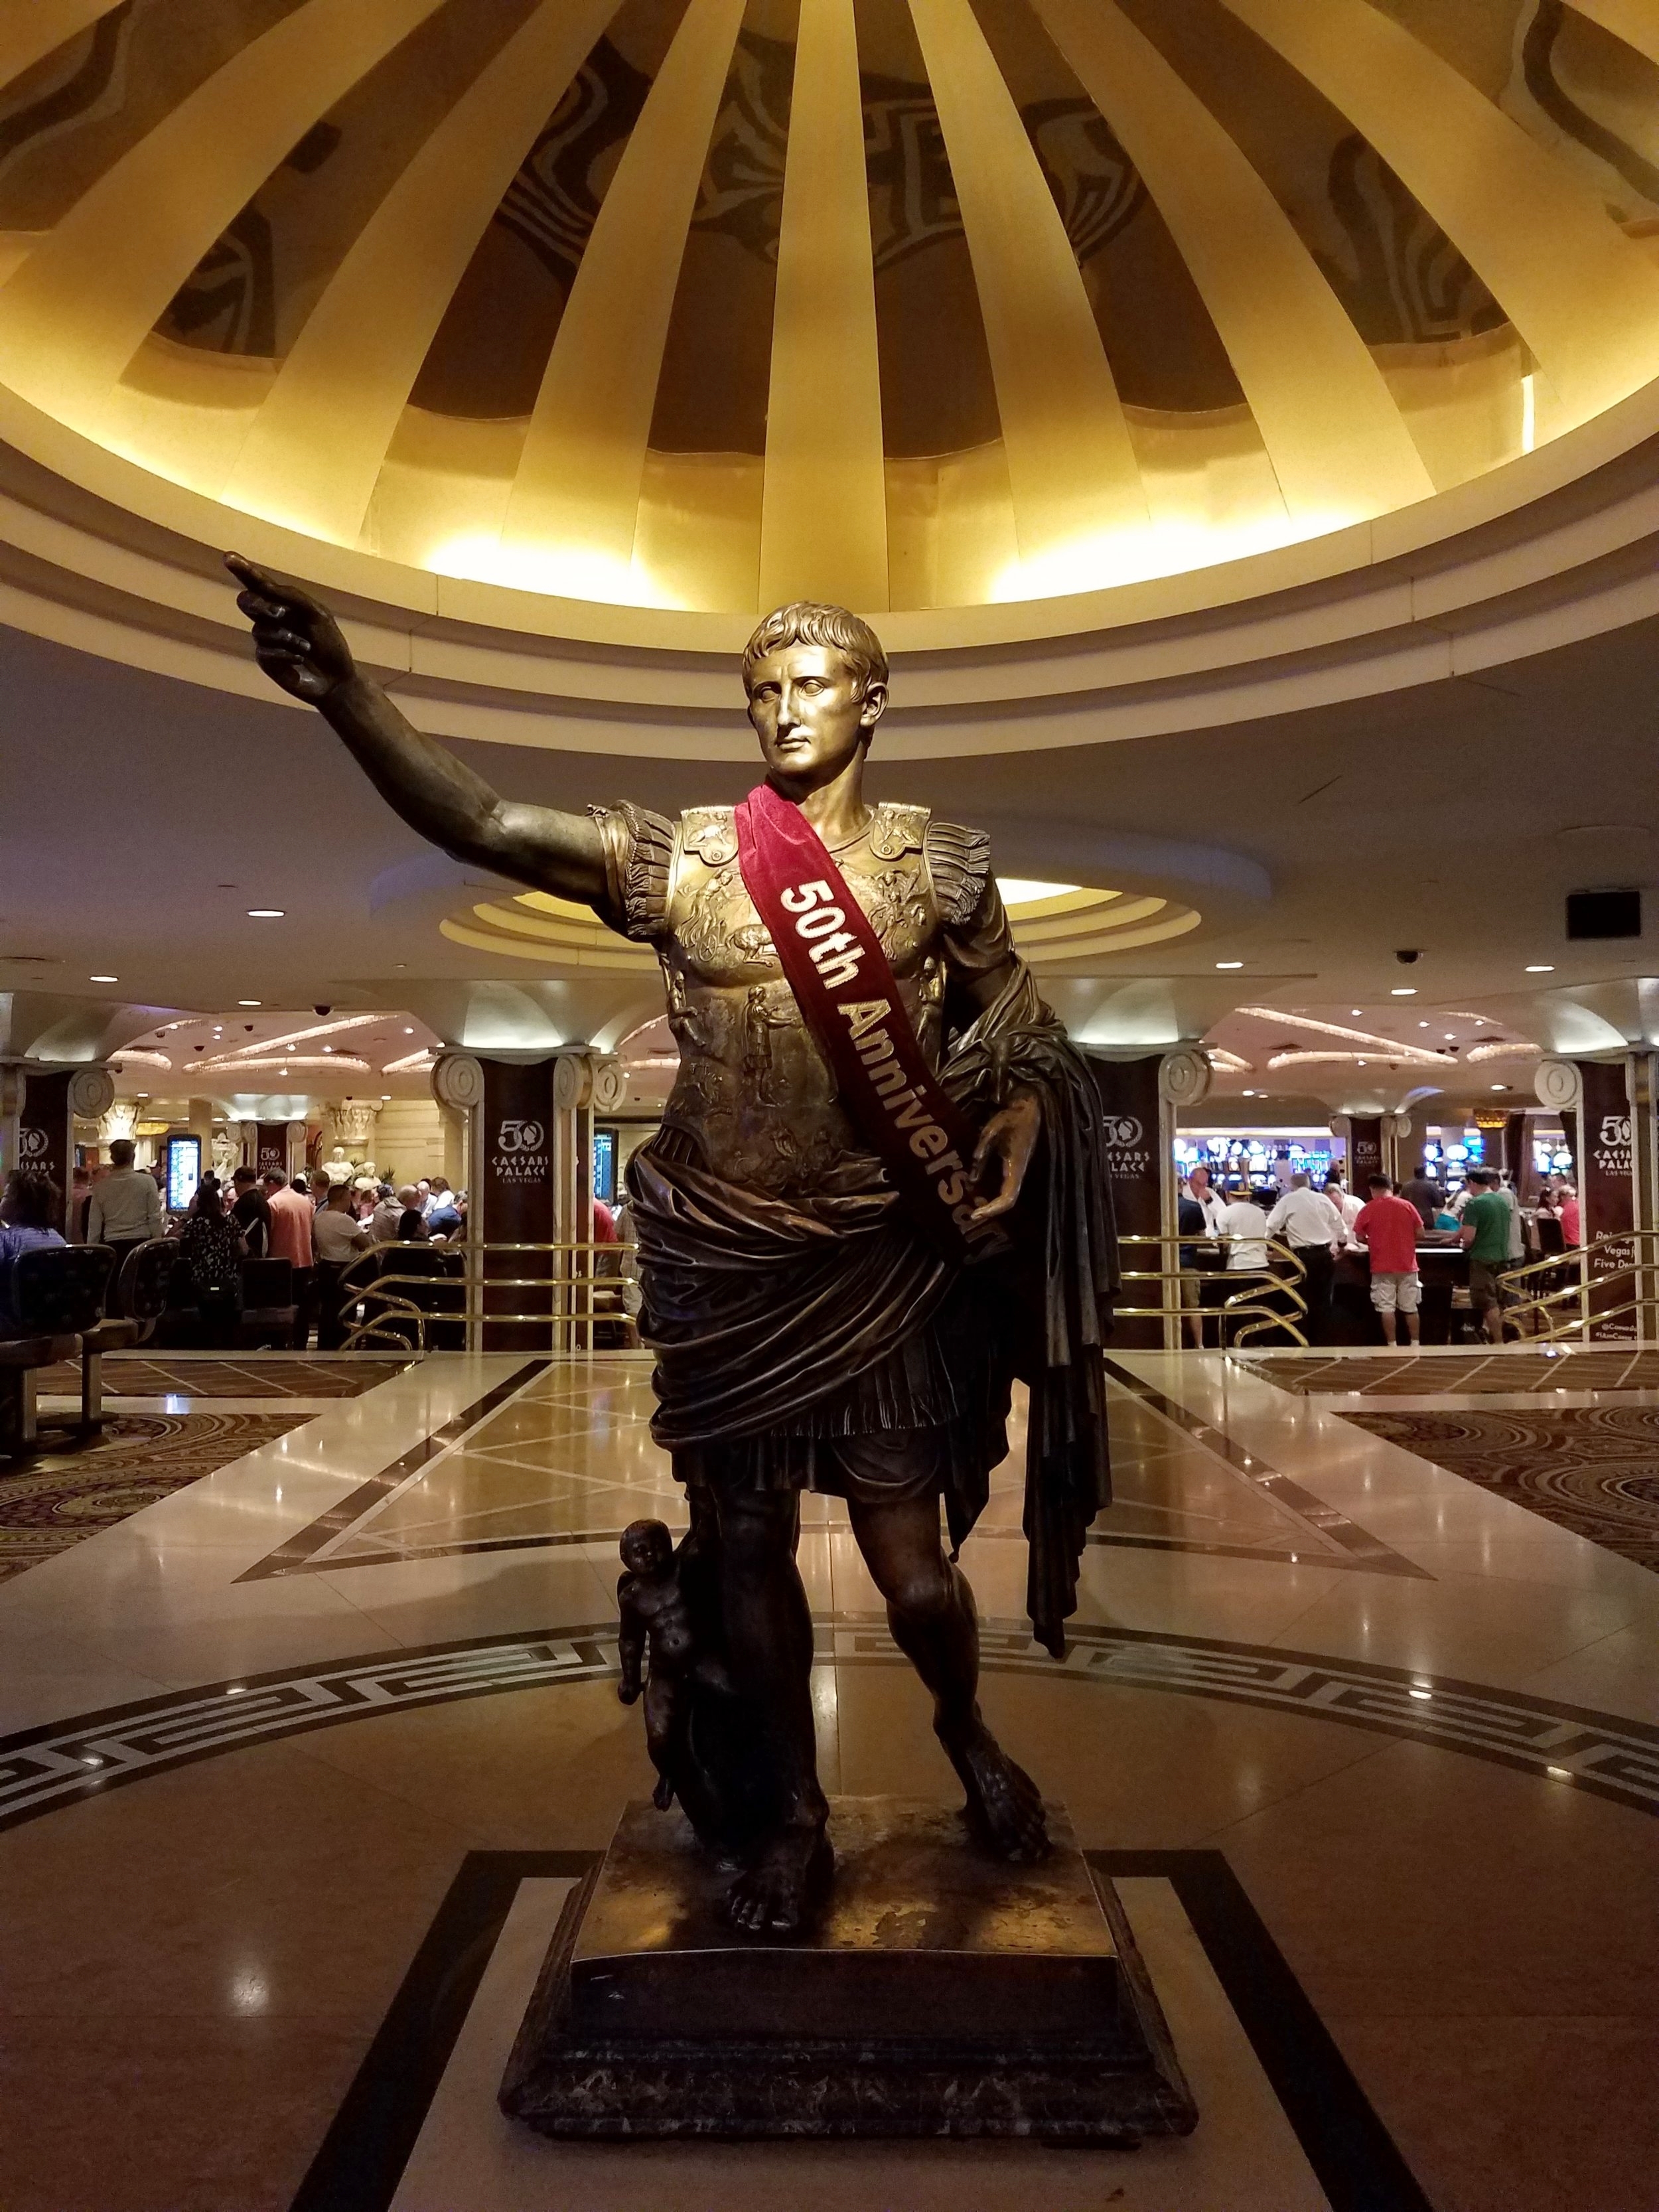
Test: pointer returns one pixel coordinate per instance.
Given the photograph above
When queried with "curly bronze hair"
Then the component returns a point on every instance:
(808, 622)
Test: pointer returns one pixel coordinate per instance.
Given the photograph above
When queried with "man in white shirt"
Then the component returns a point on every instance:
(1305, 1219)
(337, 1238)
(125, 1209)
(1243, 1223)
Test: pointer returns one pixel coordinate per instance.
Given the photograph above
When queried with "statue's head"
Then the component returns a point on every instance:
(817, 680)
(646, 1547)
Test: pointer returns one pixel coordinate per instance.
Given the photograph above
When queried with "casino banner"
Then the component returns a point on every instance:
(270, 1148)
(44, 1130)
(1131, 1111)
(516, 1202)
(1608, 1196)
(1364, 1152)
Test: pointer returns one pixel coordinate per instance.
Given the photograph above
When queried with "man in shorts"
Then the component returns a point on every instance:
(1485, 1234)
(1389, 1227)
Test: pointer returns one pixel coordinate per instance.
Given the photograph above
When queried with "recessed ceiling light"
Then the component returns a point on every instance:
(409, 1032)
(1540, 968)
(264, 913)
(1500, 1086)
(1422, 1025)
(1249, 1094)
(1403, 991)
(103, 979)
(385, 1095)
(1452, 1037)
(1230, 964)
(1356, 1010)
(250, 1002)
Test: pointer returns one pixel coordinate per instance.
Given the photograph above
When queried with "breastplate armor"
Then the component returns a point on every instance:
(754, 1092)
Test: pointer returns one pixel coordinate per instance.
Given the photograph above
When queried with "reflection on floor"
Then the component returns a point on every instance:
(567, 1458)
(257, 1727)
(55, 1498)
(1594, 1470)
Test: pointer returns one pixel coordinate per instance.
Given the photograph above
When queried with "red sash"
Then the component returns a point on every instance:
(832, 961)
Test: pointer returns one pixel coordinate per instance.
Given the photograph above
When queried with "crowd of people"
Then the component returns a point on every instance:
(317, 1224)
(1242, 1226)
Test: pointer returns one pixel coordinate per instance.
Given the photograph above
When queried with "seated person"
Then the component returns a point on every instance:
(412, 1224)
(28, 1212)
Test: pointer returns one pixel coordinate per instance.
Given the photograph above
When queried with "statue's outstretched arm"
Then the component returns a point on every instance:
(299, 644)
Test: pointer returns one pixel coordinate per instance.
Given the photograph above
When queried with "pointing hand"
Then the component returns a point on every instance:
(296, 639)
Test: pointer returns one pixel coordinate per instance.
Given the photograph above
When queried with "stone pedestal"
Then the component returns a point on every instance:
(942, 1994)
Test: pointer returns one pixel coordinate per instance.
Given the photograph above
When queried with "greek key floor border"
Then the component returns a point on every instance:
(61, 1764)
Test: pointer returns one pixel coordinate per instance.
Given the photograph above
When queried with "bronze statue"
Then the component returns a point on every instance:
(878, 1196)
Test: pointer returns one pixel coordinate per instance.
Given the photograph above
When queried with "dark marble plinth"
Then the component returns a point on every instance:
(942, 1993)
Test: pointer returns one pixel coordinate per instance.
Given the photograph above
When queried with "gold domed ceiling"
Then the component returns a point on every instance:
(910, 303)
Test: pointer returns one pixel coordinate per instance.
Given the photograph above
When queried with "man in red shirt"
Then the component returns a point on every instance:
(1389, 1227)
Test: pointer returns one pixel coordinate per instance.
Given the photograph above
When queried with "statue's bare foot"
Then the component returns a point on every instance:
(784, 1883)
(1003, 1810)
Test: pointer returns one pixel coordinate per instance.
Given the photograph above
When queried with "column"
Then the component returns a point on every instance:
(39, 1108)
(1133, 1111)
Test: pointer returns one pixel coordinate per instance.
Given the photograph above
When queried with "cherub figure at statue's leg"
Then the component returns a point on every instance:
(931, 1612)
(769, 1640)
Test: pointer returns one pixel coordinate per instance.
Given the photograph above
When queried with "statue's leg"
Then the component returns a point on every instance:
(665, 1725)
(930, 1609)
(768, 1640)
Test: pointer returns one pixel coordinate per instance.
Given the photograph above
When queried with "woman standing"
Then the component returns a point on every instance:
(212, 1249)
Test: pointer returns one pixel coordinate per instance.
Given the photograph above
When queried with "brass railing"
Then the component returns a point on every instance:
(1574, 1309)
(1246, 1305)
(405, 1305)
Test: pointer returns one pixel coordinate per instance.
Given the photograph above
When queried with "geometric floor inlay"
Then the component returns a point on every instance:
(44, 1768)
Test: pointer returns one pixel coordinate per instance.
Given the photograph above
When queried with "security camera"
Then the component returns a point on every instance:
(1405, 958)
(329, 1009)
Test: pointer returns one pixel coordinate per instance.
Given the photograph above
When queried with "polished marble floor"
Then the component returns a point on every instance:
(252, 1732)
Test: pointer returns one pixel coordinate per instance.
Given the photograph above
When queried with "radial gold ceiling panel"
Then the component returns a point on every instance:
(75, 313)
(1337, 440)
(1583, 296)
(823, 514)
(1635, 21)
(31, 28)
(912, 304)
(577, 491)
(318, 443)
(1071, 466)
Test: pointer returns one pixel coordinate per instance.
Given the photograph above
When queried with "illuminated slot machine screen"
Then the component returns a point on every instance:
(184, 1171)
(605, 1165)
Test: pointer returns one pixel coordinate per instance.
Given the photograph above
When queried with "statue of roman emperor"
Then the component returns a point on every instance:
(878, 1196)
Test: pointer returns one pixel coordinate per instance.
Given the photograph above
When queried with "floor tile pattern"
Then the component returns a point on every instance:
(166, 1375)
(59, 1498)
(562, 1456)
(44, 1768)
(1594, 1470)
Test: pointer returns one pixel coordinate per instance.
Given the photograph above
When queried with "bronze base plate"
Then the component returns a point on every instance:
(942, 1993)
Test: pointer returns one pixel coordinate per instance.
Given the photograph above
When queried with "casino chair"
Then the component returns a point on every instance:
(141, 1292)
(268, 1309)
(57, 1293)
